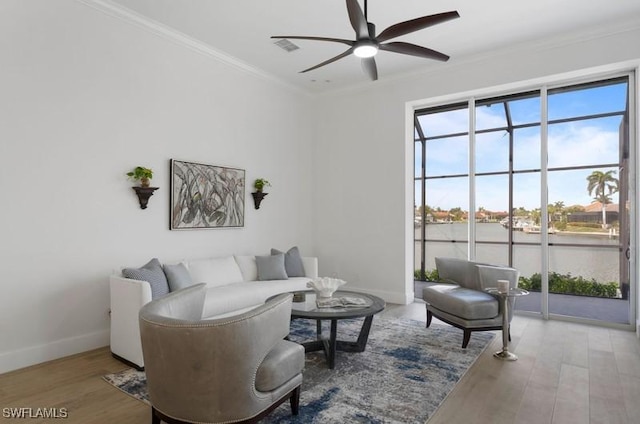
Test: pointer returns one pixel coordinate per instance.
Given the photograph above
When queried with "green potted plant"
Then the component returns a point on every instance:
(142, 174)
(259, 184)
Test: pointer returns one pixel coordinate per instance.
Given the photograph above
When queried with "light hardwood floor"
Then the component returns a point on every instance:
(566, 373)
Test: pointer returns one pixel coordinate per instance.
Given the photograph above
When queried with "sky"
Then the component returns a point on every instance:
(593, 142)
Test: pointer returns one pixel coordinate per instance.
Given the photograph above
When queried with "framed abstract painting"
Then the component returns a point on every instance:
(206, 196)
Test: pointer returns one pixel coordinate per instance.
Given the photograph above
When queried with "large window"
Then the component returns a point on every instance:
(537, 180)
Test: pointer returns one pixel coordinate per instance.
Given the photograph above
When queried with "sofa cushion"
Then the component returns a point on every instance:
(292, 262)
(178, 276)
(152, 273)
(462, 302)
(248, 267)
(271, 267)
(215, 271)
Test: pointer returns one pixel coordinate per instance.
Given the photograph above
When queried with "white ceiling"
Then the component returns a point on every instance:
(242, 29)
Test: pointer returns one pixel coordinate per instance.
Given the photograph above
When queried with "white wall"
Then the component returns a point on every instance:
(85, 97)
(365, 199)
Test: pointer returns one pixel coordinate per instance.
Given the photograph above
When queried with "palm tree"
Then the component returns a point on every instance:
(535, 215)
(602, 185)
(556, 211)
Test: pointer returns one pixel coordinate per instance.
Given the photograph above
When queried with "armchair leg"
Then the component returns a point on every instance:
(295, 401)
(465, 338)
(429, 317)
(155, 419)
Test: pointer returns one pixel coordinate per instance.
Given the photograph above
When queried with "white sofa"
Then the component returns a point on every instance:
(232, 287)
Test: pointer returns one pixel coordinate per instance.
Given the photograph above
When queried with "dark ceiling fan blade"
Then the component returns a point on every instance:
(415, 25)
(370, 68)
(358, 21)
(334, 40)
(333, 59)
(413, 50)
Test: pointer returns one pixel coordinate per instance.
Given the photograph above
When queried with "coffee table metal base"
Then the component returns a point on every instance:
(330, 346)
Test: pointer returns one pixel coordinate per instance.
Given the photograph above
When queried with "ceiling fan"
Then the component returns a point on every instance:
(366, 45)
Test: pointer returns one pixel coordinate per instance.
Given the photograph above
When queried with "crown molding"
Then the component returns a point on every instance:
(129, 16)
(536, 45)
(125, 14)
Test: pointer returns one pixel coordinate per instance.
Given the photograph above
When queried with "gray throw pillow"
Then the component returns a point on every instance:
(178, 276)
(152, 273)
(271, 267)
(292, 262)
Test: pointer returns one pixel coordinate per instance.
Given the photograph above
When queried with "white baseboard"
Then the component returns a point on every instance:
(17, 359)
(388, 296)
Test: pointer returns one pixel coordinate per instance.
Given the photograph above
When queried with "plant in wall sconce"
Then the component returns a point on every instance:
(142, 174)
(144, 192)
(259, 194)
(260, 184)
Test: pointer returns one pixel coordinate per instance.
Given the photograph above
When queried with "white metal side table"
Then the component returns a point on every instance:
(504, 354)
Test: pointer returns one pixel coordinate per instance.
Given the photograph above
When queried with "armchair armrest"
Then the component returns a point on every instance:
(127, 297)
(489, 276)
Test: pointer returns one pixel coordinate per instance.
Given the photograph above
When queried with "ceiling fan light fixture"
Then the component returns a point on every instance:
(366, 48)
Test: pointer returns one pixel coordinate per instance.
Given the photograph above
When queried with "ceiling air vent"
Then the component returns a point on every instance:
(286, 45)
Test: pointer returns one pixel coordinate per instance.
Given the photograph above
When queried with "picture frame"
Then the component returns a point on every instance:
(205, 196)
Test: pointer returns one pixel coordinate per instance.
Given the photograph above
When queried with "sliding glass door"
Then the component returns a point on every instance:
(537, 180)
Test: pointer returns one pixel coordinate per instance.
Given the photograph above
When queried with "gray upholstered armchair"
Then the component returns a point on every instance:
(226, 370)
(461, 300)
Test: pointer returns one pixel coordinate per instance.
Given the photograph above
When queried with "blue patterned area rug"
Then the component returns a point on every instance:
(402, 377)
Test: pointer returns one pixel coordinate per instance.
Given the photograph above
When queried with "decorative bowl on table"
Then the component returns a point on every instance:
(325, 286)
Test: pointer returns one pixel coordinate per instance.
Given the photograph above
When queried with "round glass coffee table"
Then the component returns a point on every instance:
(342, 305)
(504, 354)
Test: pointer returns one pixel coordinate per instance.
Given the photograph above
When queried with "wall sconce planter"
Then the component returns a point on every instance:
(257, 198)
(259, 184)
(143, 195)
